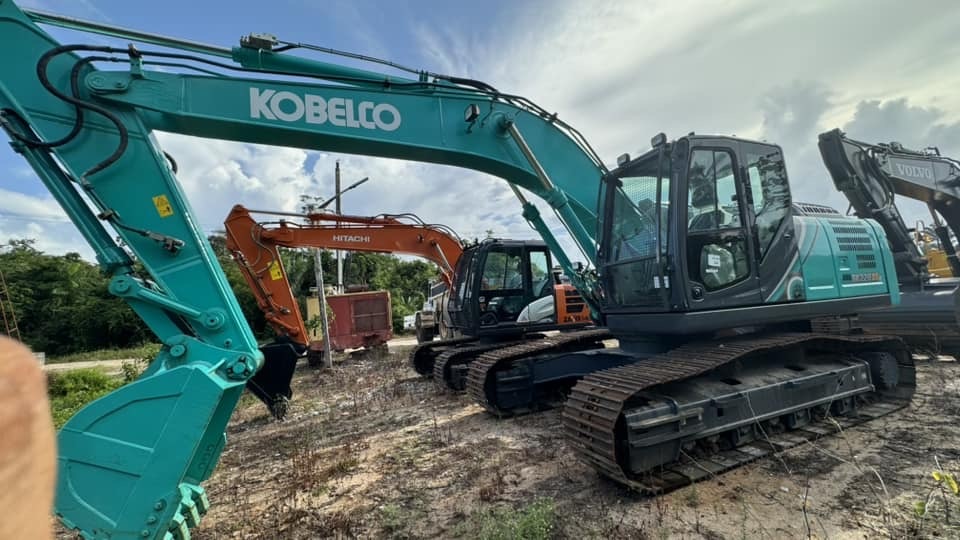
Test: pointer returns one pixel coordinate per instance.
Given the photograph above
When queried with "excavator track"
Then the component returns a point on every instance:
(422, 356)
(481, 378)
(595, 416)
(442, 365)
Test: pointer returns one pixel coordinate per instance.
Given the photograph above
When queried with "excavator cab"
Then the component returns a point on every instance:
(706, 224)
(495, 281)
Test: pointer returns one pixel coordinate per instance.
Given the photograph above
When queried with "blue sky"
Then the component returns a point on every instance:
(619, 71)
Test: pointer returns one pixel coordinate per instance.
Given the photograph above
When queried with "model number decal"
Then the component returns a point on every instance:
(867, 277)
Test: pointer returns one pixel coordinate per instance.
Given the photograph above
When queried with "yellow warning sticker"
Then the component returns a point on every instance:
(163, 206)
(275, 273)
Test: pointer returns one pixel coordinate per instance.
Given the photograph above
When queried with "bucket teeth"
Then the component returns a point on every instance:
(178, 528)
(193, 505)
(199, 496)
(188, 508)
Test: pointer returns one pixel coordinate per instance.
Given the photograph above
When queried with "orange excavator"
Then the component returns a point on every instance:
(255, 247)
(503, 291)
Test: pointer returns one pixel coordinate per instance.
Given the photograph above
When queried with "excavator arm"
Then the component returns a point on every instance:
(131, 464)
(869, 175)
(255, 247)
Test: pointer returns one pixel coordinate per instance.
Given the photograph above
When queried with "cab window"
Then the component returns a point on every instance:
(712, 202)
(716, 249)
(771, 194)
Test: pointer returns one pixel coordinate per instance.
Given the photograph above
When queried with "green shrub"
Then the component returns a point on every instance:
(71, 390)
(535, 521)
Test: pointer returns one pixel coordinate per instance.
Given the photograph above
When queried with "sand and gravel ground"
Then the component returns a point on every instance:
(371, 451)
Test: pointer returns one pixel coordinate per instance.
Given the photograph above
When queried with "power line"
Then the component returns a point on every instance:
(34, 217)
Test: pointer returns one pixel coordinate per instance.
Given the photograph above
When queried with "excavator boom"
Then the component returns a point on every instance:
(255, 247)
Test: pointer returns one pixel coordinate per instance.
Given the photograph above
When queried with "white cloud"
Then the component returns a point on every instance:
(54, 237)
(39, 218)
(218, 174)
(14, 203)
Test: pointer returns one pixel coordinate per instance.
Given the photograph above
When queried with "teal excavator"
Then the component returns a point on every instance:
(702, 266)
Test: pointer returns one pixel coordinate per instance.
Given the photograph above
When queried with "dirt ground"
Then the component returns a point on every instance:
(370, 450)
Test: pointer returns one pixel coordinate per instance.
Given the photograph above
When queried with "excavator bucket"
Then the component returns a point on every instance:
(272, 383)
(148, 445)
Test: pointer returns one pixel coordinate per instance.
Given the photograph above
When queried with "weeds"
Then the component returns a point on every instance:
(692, 497)
(311, 466)
(492, 490)
(395, 520)
(947, 489)
(289, 518)
(131, 369)
(537, 521)
(441, 435)
(71, 390)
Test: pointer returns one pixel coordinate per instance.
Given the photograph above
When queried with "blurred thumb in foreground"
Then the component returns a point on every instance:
(27, 447)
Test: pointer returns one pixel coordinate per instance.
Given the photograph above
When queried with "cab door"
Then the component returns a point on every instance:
(719, 255)
(771, 209)
(461, 307)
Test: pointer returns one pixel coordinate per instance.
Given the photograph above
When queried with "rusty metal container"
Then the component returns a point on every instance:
(360, 320)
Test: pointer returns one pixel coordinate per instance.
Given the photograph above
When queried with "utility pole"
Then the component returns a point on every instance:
(311, 208)
(312, 205)
(336, 200)
(339, 253)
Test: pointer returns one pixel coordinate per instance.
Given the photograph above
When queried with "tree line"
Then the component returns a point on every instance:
(63, 306)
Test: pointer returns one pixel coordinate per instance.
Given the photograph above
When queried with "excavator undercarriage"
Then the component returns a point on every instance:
(706, 407)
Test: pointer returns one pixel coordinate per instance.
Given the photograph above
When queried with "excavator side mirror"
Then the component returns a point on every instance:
(471, 113)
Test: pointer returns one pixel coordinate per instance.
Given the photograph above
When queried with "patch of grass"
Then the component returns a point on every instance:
(692, 497)
(146, 351)
(398, 519)
(71, 390)
(393, 520)
(536, 521)
(343, 466)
